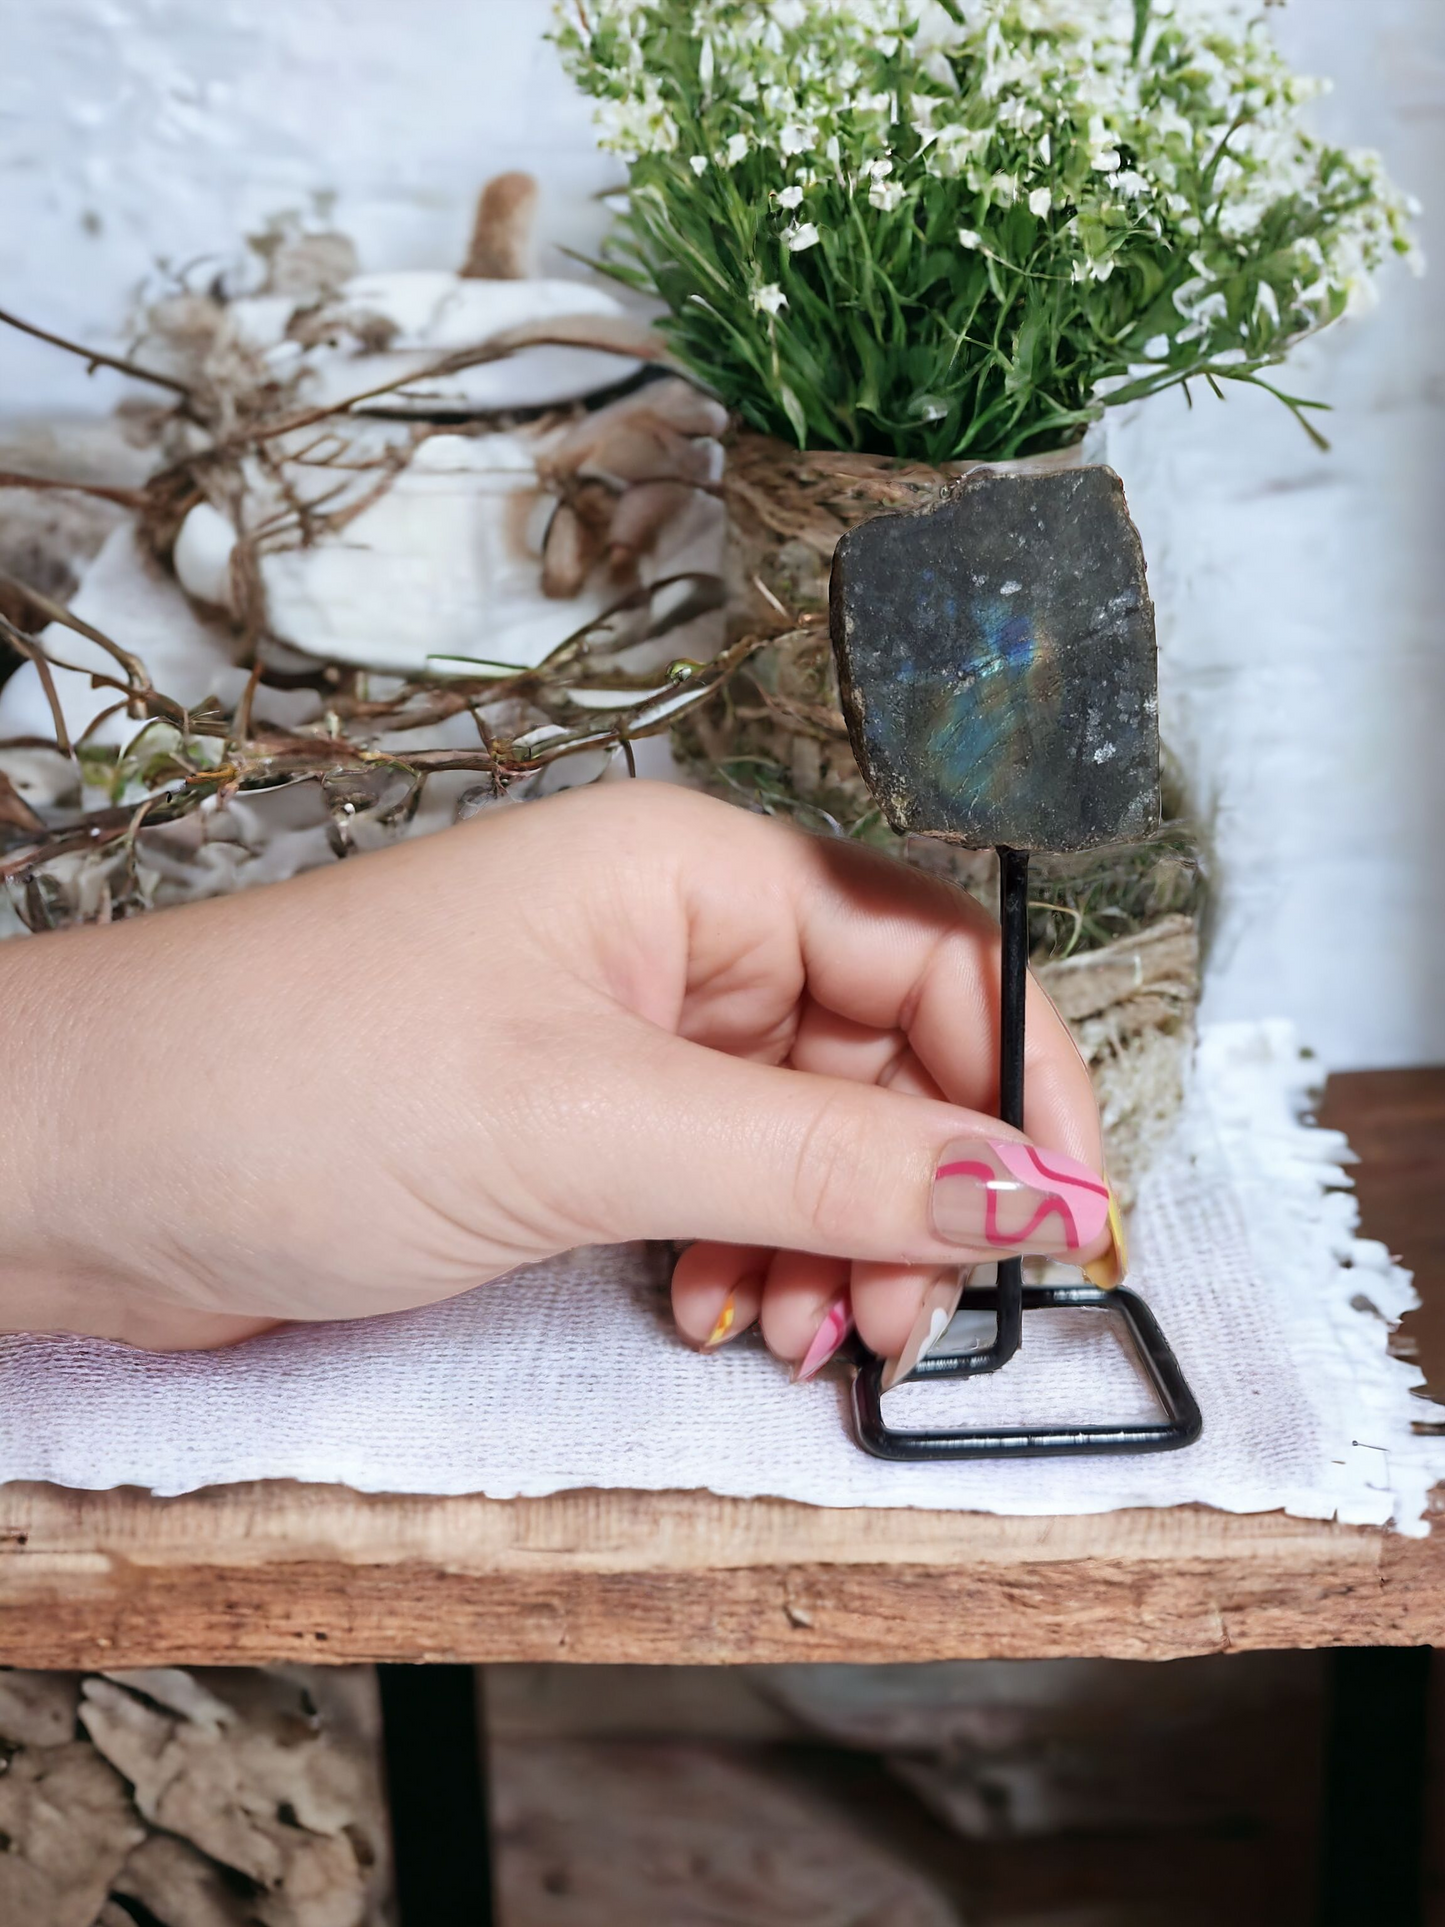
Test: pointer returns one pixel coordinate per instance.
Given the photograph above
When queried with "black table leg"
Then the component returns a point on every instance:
(1373, 1821)
(436, 1781)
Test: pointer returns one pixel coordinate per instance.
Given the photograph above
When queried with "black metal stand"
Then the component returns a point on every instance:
(1181, 1423)
(436, 1782)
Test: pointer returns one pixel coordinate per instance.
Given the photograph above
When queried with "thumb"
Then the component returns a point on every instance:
(748, 1154)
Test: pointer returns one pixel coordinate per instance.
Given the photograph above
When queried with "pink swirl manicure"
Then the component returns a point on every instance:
(1001, 1194)
(836, 1325)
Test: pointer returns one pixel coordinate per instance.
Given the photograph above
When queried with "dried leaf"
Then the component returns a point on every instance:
(15, 812)
(642, 514)
(254, 1786)
(38, 1709)
(179, 1887)
(571, 552)
(70, 1826)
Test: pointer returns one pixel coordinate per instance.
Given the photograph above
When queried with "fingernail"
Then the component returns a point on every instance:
(724, 1321)
(1112, 1267)
(1000, 1194)
(935, 1314)
(836, 1325)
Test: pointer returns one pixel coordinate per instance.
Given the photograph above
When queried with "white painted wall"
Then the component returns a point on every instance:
(132, 130)
(1303, 609)
(1300, 595)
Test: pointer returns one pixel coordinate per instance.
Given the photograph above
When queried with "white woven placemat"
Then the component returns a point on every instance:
(570, 1375)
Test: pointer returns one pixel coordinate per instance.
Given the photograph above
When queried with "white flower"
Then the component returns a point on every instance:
(922, 108)
(984, 96)
(1202, 311)
(954, 147)
(1209, 308)
(639, 126)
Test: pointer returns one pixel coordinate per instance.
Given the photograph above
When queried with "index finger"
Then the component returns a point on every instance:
(892, 948)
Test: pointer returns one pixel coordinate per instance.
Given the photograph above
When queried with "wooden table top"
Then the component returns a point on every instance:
(244, 1574)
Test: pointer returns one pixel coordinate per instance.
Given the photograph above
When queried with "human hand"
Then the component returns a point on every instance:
(625, 1012)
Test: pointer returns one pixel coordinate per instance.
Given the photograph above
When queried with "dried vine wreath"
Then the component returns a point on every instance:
(185, 758)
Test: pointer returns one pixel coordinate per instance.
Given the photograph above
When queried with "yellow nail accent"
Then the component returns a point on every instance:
(724, 1322)
(1113, 1267)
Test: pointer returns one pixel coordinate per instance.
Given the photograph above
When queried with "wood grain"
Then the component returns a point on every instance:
(246, 1574)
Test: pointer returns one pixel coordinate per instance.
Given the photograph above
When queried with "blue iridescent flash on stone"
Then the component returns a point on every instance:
(997, 663)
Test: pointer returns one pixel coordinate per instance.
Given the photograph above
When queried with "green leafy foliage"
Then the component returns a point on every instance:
(947, 228)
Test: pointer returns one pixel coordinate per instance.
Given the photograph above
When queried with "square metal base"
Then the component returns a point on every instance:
(1180, 1425)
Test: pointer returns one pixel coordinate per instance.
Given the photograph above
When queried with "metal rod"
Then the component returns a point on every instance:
(1013, 916)
(1180, 1422)
(1013, 911)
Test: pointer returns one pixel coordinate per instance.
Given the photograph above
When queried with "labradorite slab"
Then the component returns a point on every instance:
(997, 663)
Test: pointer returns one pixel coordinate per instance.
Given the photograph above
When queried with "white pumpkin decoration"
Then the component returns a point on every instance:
(425, 315)
(397, 538)
(491, 548)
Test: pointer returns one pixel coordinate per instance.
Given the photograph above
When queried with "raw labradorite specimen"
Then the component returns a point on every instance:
(997, 663)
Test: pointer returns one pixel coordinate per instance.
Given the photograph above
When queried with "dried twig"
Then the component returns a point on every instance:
(30, 649)
(265, 757)
(134, 668)
(215, 755)
(609, 335)
(95, 356)
(128, 498)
